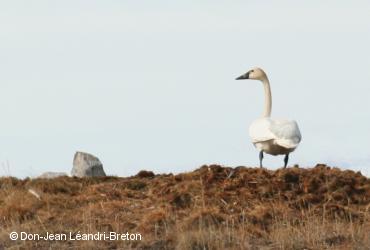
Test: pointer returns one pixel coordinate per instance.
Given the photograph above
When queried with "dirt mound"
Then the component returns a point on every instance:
(213, 207)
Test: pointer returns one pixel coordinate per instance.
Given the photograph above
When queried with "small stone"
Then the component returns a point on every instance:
(51, 175)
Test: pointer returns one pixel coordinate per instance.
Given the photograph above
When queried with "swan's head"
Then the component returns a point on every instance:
(255, 74)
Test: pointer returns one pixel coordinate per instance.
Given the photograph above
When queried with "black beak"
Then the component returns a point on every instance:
(243, 77)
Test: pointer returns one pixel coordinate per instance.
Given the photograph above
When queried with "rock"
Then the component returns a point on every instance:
(51, 175)
(86, 165)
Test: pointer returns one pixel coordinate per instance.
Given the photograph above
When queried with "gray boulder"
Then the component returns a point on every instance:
(51, 175)
(86, 165)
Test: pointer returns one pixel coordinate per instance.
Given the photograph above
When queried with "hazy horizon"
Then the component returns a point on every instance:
(151, 85)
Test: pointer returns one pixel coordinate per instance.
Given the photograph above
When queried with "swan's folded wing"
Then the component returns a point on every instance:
(286, 133)
(260, 131)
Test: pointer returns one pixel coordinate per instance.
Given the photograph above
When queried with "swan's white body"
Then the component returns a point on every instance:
(272, 136)
(275, 137)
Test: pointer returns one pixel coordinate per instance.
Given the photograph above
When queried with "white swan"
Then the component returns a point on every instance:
(275, 137)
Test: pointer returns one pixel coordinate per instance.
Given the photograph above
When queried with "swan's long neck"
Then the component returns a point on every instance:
(268, 98)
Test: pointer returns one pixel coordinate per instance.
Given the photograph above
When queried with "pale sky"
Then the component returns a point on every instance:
(150, 84)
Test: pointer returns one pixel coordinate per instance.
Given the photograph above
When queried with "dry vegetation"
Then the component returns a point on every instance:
(212, 207)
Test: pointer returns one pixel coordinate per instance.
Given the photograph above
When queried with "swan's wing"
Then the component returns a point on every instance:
(286, 133)
(260, 131)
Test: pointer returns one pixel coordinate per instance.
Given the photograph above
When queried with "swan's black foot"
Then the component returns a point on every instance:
(261, 157)
(286, 159)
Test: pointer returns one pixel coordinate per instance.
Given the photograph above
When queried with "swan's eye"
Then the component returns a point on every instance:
(252, 71)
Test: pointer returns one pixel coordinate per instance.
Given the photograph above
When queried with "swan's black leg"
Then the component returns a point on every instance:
(286, 160)
(261, 157)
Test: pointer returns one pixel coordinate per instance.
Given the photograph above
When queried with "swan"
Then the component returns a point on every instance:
(271, 136)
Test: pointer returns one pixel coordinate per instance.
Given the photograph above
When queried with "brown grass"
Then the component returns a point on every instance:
(212, 207)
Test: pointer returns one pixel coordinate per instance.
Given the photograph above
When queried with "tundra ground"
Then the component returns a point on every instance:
(213, 207)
